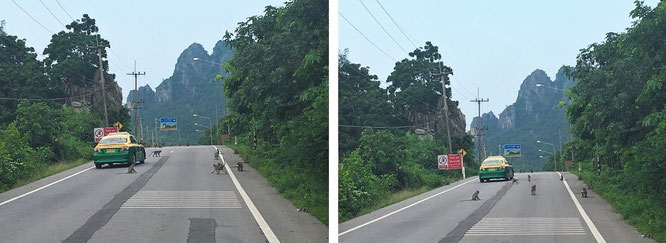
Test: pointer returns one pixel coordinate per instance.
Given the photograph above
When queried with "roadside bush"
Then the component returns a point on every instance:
(17, 159)
(358, 187)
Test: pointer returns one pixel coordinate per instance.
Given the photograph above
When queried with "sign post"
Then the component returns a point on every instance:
(98, 133)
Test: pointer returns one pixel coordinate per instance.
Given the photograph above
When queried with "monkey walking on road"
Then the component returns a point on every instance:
(529, 178)
(533, 190)
(156, 153)
(131, 169)
(239, 165)
(515, 181)
(217, 168)
(216, 156)
(583, 192)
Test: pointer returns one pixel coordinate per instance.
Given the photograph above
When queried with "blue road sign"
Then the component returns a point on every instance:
(512, 150)
(167, 124)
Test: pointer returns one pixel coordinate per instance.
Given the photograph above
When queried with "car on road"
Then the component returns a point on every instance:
(118, 147)
(495, 167)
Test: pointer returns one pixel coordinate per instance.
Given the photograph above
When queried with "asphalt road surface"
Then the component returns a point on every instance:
(507, 212)
(172, 198)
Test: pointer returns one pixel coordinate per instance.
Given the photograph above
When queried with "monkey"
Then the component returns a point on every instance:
(475, 196)
(529, 178)
(156, 153)
(217, 168)
(583, 192)
(561, 177)
(131, 169)
(515, 180)
(580, 177)
(216, 156)
(239, 165)
(533, 190)
(446, 181)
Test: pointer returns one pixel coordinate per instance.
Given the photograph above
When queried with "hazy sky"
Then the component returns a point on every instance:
(493, 45)
(153, 33)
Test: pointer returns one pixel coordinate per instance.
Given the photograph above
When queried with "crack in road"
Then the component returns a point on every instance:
(101, 217)
(459, 232)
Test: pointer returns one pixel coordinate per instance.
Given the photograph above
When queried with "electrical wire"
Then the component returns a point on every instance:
(33, 18)
(380, 25)
(47, 9)
(396, 24)
(366, 38)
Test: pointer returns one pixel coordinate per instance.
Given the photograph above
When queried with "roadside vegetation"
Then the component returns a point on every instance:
(40, 133)
(382, 159)
(277, 92)
(618, 119)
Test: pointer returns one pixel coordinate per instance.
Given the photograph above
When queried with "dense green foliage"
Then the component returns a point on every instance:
(38, 128)
(618, 113)
(278, 89)
(380, 154)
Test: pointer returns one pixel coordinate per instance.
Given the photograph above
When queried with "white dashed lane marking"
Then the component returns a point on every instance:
(527, 226)
(183, 199)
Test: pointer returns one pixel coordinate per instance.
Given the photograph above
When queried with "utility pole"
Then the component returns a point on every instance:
(136, 93)
(101, 76)
(479, 127)
(559, 134)
(446, 108)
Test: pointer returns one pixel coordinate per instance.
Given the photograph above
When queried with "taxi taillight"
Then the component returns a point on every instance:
(98, 150)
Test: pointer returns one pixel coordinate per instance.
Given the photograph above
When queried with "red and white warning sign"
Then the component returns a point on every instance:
(99, 133)
(442, 162)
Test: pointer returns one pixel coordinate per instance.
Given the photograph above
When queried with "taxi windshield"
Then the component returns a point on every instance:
(492, 162)
(113, 140)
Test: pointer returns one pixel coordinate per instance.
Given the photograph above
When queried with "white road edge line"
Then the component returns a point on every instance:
(48, 185)
(270, 236)
(403, 208)
(588, 221)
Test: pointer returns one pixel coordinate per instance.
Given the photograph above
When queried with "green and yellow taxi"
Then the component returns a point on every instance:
(495, 167)
(118, 147)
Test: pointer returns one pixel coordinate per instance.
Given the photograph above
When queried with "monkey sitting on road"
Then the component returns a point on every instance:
(217, 168)
(131, 169)
(561, 177)
(156, 153)
(583, 192)
(475, 196)
(533, 190)
(529, 178)
(515, 180)
(239, 165)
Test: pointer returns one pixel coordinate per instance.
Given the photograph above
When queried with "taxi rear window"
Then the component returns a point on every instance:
(113, 140)
(492, 162)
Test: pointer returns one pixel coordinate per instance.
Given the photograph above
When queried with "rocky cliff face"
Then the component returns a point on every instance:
(534, 116)
(190, 90)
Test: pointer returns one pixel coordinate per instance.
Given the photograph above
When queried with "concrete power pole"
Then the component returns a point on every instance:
(135, 107)
(446, 109)
(101, 75)
(479, 128)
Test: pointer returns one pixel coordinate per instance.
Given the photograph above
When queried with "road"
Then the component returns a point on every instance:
(172, 198)
(507, 212)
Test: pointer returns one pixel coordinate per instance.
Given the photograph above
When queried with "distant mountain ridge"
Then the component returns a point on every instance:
(534, 116)
(190, 90)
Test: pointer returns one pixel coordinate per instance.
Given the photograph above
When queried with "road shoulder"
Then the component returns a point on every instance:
(286, 221)
(610, 224)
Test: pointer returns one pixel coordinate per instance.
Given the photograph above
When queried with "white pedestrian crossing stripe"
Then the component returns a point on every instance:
(527, 226)
(183, 199)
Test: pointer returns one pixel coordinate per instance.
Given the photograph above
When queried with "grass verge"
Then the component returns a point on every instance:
(394, 198)
(46, 171)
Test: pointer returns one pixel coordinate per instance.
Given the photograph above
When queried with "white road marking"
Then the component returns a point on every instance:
(270, 236)
(47, 185)
(527, 226)
(587, 220)
(403, 208)
(183, 199)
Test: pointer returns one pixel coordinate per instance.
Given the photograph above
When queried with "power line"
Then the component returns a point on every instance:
(120, 59)
(396, 24)
(366, 38)
(63, 9)
(380, 25)
(26, 12)
(47, 9)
